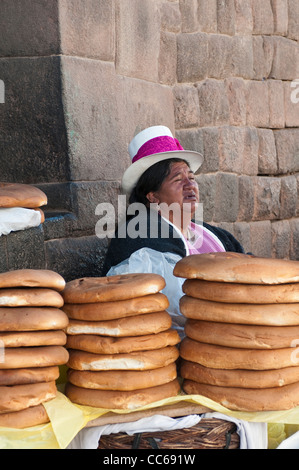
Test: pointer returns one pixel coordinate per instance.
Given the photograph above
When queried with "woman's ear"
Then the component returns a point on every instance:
(152, 198)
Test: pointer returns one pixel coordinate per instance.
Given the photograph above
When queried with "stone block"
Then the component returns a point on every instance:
(257, 104)
(288, 197)
(242, 234)
(294, 229)
(297, 205)
(213, 103)
(231, 149)
(29, 29)
(220, 56)
(287, 147)
(243, 15)
(32, 135)
(87, 196)
(226, 199)
(293, 24)
(87, 29)
(267, 155)
(263, 20)
(58, 195)
(59, 225)
(186, 106)
(210, 149)
(104, 111)
(226, 17)
(261, 238)
(207, 15)
(250, 154)
(25, 249)
(267, 192)
(286, 59)
(138, 39)
(207, 194)
(192, 53)
(189, 17)
(291, 104)
(263, 52)
(191, 139)
(79, 257)
(236, 94)
(276, 104)
(242, 57)
(281, 16)
(246, 198)
(281, 239)
(167, 58)
(171, 17)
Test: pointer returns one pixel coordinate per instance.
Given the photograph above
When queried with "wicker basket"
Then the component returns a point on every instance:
(209, 433)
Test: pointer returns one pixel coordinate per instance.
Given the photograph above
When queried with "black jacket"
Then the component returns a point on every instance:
(121, 247)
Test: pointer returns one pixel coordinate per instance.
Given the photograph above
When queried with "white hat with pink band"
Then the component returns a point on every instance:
(151, 146)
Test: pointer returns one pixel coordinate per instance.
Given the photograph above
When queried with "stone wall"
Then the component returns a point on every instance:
(83, 76)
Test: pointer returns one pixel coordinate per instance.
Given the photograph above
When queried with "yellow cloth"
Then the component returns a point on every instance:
(67, 419)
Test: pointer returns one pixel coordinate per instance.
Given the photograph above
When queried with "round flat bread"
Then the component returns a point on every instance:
(17, 339)
(242, 399)
(21, 195)
(18, 397)
(32, 278)
(125, 400)
(122, 380)
(131, 326)
(242, 336)
(100, 311)
(254, 314)
(32, 318)
(221, 357)
(112, 345)
(138, 360)
(29, 375)
(238, 268)
(33, 416)
(239, 378)
(30, 297)
(241, 293)
(112, 288)
(37, 356)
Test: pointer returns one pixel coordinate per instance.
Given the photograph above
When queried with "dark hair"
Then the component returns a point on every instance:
(152, 179)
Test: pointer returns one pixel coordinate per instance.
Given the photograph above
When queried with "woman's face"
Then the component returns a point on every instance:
(178, 187)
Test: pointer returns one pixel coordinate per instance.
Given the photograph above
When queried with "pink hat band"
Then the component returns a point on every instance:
(157, 145)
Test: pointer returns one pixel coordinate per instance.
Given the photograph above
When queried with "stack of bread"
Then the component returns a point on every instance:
(25, 196)
(242, 330)
(122, 349)
(32, 344)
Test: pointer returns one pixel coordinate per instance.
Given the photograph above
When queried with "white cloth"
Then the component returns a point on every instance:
(252, 435)
(291, 442)
(13, 219)
(88, 438)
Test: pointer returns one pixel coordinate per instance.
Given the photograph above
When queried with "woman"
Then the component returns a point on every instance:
(161, 181)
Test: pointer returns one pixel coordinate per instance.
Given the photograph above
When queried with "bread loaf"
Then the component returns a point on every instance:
(242, 399)
(125, 400)
(100, 311)
(237, 268)
(111, 288)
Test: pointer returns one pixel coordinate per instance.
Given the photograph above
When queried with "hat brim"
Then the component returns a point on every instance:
(133, 173)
